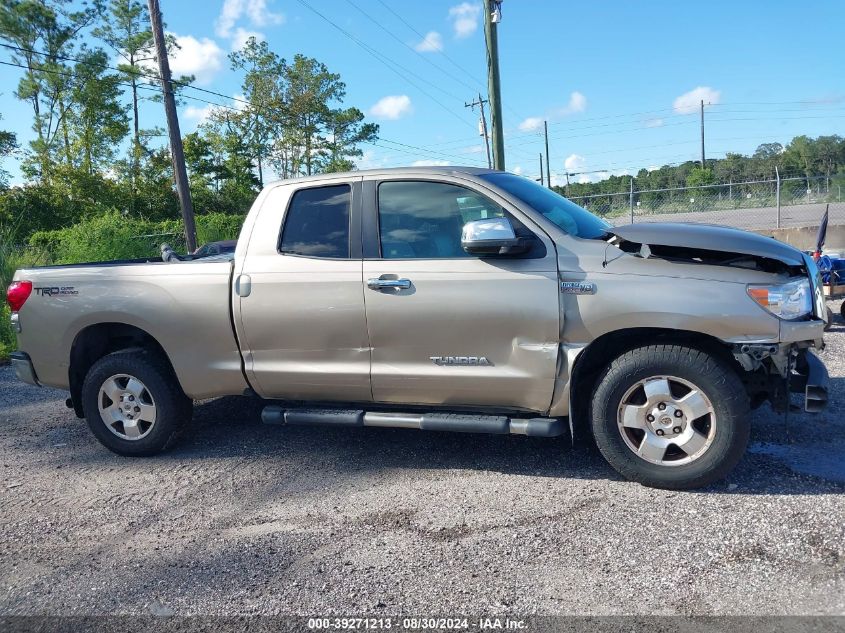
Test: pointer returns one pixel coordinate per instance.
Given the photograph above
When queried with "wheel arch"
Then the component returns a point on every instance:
(601, 352)
(98, 340)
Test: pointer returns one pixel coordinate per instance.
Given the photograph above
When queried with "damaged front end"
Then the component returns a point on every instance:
(773, 371)
(773, 368)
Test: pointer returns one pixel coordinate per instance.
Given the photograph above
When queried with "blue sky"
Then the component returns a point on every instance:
(617, 81)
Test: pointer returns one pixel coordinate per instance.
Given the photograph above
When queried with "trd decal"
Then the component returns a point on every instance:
(56, 291)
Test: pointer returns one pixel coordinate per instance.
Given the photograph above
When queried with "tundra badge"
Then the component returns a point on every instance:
(460, 360)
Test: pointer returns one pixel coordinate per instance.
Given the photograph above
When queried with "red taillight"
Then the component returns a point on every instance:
(18, 293)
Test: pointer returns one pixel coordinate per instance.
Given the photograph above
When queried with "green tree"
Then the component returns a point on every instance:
(319, 134)
(261, 121)
(127, 32)
(802, 154)
(8, 144)
(348, 131)
(830, 151)
(45, 35)
(699, 176)
(96, 119)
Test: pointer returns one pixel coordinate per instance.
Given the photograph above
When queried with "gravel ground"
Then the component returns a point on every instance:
(244, 519)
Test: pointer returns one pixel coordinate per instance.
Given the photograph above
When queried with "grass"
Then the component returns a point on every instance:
(105, 237)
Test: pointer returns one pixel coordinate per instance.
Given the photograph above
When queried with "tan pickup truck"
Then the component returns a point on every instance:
(449, 299)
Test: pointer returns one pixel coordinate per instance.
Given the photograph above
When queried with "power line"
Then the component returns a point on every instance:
(430, 153)
(421, 153)
(411, 48)
(147, 87)
(387, 62)
(452, 61)
(478, 83)
(146, 75)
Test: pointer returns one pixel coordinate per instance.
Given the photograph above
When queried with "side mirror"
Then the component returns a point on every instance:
(494, 236)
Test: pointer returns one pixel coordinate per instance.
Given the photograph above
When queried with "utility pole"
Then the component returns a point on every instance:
(480, 103)
(567, 181)
(541, 169)
(180, 174)
(702, 134)
(492, 16)
(548, 168)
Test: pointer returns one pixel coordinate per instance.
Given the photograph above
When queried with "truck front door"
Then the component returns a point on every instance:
(447, 328)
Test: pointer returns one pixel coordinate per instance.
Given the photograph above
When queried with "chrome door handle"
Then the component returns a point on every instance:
(382, 284)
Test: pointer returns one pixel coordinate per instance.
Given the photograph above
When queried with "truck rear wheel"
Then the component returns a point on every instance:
(133, 403)
(670, 416)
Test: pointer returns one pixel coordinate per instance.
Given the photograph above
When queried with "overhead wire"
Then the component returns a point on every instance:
(148, 74)
(480, 85)
(391, 65)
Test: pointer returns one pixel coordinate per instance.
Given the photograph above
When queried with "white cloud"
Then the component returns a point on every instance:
(651, 168)
(259, 15)
(577, 103)
(517, 170)
(654, 123)
(370, 160)
(431, 43)
(574, 162)
(239, 102)
(583, 179)
(391, 107)
(255, 10)
(430, 163)
(472, 149)
(200, 115)
(690, 102)
(202, 58)
(465, 18)
(531, 124)
(240, 36)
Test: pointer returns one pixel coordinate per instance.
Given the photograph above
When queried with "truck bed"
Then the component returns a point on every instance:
(185, 306)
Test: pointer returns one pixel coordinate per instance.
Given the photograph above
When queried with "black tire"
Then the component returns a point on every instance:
(842, 310)
(713, 377)
(173, 407)
(829, 323)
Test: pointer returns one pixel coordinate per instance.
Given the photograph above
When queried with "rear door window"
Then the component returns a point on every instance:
(317, 223)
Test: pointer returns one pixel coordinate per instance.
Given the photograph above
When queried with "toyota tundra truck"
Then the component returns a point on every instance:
(445, 299)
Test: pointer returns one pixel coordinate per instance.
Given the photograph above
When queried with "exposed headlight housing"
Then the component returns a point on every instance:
(789, 301)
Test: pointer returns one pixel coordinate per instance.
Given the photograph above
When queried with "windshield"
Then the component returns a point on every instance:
(566, 215)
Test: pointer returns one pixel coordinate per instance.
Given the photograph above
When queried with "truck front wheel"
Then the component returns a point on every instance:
(133, 403)
(670, 416)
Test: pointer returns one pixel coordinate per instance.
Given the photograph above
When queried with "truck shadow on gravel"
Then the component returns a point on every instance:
(801, 455)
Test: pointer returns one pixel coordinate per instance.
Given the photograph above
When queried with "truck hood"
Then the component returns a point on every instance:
(710, 238)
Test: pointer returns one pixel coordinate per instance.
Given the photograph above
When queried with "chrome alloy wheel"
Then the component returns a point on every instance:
(126, 407)
(667, 420)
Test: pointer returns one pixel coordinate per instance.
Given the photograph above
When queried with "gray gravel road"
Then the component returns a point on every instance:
(245, 519)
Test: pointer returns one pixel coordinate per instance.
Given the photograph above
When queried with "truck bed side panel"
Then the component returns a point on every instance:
(184, 306)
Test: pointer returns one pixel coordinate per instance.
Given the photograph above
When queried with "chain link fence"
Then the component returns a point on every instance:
(757, 205)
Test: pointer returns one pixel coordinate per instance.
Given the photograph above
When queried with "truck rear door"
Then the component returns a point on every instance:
(299, 309)
(447, 328)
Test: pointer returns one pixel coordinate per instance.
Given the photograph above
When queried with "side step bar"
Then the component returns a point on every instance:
(462, 423)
